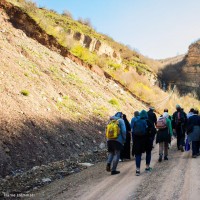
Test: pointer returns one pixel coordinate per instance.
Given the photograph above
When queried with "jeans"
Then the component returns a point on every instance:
(138, 159)
(113, 158)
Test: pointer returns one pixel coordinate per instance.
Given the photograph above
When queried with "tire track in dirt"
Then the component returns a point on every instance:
(167, 179)
(119, 187)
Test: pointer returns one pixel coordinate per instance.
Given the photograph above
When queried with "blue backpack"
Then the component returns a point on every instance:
(140, 127)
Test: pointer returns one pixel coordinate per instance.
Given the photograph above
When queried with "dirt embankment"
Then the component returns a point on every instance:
(23, 21)
(52, 109)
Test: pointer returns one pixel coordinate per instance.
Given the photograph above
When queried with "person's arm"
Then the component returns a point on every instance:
(189, 126)
(155, 119)
(123, 129)
(173, 121)
(128, 127)
(185, 124)
(132, 124)
(169, 125)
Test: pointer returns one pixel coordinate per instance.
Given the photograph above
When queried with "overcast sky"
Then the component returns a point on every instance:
(156, 28)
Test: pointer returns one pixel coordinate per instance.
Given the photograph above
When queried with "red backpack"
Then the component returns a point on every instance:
(161, 123)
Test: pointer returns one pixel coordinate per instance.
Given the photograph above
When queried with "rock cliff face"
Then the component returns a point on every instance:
(185, 73)
(192, 57)
(95, 45)
(191, 69)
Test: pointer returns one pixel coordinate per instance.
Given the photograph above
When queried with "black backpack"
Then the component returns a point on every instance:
(180, 118)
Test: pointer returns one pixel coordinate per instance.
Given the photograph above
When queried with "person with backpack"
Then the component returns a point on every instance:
(193, 132)
(142, 142)
(170, 118)
(166, 110)
(179, 122)
(116, 137)
(164, 135)
(136, 117)
(125, 152)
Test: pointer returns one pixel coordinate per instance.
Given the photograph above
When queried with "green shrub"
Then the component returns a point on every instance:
(25, 92)
(84, 54)
(66, 97)
(100, 111)
(114, 65)
(114, 102)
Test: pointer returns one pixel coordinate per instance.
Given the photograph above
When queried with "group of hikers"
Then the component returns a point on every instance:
(145, 128)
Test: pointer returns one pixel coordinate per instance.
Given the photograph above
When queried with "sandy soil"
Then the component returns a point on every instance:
(177, 178)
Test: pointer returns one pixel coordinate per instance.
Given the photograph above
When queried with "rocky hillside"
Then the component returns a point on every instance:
(184, 71)
(76, 39)
(52, 109)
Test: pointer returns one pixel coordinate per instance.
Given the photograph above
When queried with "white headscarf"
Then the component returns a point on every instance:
(165, 115)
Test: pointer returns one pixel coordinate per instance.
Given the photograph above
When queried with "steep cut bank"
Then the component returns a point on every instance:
(51, 108)
(21, 20)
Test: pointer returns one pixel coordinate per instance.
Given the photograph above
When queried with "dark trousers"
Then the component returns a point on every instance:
(195, 147)
(125, 152)
(180, 136)
(138, 159)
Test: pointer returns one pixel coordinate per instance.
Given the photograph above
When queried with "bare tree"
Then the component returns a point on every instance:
(67, 14)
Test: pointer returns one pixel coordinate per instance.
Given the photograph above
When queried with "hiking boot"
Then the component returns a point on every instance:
(148, 169)
(165, 158)
(108, 167)
(181, 148)
(115, 172)
(137, 172)
(160, 159)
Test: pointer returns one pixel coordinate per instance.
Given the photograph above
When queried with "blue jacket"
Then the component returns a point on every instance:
(194, 122)
(132, 123)
(122, 136)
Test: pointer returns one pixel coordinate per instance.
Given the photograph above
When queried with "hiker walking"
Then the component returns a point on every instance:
(169, 117)
(153, 119)
(136, 117)
(193, 131)
(116, 136)
(179, 121)
(164, 135)
(191, 112)
(125, 152)
(142, 142)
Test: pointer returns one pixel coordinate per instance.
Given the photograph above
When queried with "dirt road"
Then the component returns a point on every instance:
(177, 178)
